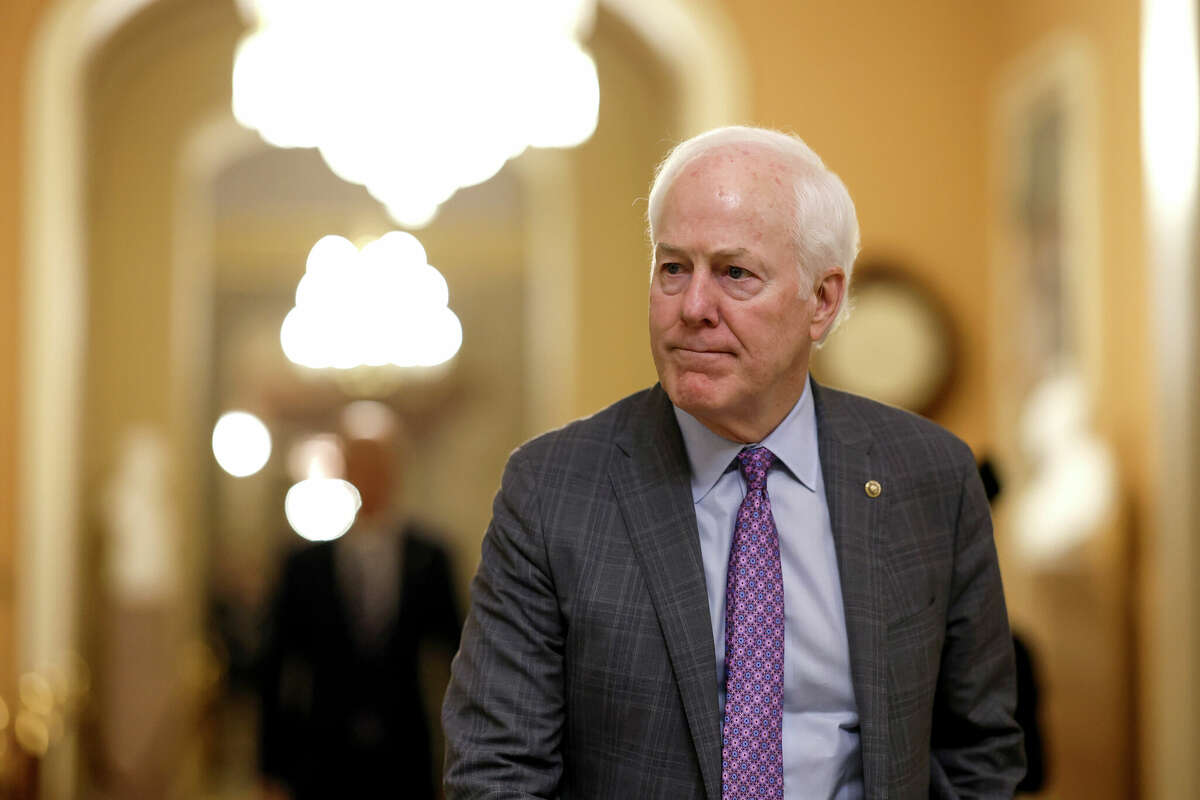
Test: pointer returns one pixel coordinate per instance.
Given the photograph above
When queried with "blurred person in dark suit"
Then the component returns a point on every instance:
(738, 583)
(342, 708)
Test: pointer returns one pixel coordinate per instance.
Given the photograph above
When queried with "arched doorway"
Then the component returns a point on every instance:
(67, 449)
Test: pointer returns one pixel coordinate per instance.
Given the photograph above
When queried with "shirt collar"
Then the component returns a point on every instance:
(794, 443)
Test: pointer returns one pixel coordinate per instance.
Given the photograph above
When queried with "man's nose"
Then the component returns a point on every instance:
(700, 298)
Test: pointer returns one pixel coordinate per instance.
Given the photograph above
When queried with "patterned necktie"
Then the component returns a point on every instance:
(752, 750)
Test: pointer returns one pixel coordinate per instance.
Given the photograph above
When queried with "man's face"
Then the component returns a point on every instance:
(730, 325)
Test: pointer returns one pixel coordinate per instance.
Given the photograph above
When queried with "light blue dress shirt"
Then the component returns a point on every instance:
(821, 752)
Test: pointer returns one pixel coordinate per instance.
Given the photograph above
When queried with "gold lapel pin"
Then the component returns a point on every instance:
(873, 489)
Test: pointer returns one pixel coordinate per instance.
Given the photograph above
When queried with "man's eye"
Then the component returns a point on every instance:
(737, 273)
(672, 268)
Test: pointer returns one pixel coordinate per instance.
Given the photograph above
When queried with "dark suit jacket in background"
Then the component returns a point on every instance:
(587, 667)
(341, 719)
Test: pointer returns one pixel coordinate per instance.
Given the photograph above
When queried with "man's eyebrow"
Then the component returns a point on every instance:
(733, 252)
(736, 252)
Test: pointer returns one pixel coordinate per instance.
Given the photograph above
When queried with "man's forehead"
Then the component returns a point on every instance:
(739, 159)
(722, 194)
(730, 179)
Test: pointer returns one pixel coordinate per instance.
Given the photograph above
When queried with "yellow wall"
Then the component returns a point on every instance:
(1111, 27)
(1086, 614)
(156, 81)
(15, 38)
(891, 95)
(612, 176)
(140, 107)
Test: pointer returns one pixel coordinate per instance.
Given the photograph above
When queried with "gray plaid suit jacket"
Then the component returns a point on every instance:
(587, 669)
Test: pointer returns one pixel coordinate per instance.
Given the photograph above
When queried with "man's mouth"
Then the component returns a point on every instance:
(699, 352)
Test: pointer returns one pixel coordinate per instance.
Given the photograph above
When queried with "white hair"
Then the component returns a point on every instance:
(824, 225)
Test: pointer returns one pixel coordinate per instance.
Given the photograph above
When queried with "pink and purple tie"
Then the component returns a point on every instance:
(752, 749)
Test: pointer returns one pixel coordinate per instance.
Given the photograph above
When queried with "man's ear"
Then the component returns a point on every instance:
(827, 296)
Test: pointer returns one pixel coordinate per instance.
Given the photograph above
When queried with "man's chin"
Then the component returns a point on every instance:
(698, 395)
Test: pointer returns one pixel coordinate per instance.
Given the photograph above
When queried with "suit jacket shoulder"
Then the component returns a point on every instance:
(926, 459)
(564, 461)
(587, 666)
(852, 417)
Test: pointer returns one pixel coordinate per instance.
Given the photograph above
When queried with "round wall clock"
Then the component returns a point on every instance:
(897, 346)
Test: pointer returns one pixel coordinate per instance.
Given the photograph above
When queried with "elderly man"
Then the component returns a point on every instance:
(738, 583)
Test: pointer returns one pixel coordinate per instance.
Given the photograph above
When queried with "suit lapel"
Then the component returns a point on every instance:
(652, 482)
(845, 448)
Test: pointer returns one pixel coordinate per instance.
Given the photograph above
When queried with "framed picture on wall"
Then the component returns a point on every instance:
(1046, 290)
(1061, 524)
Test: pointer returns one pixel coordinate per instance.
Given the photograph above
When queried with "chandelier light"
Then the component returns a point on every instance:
(416, 99)
(382, 305)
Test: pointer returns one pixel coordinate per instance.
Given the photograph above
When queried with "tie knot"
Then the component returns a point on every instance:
(755, 462)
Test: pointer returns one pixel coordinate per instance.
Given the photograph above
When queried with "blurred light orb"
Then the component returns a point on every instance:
(321, 509)
(415, 100)
(368, 419)
(1170, 109)
(381, 305)
(241, 443)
